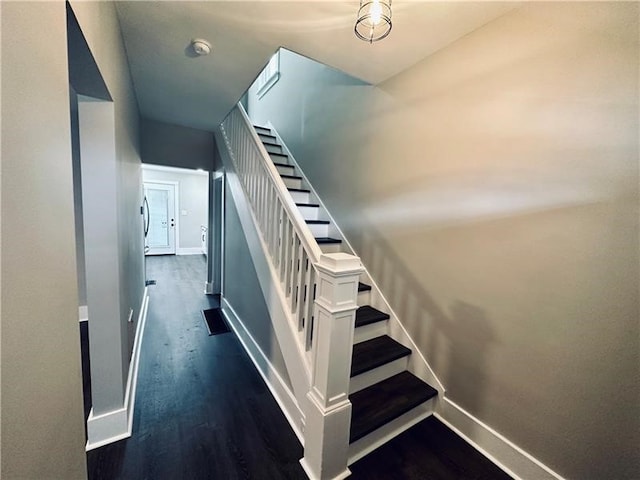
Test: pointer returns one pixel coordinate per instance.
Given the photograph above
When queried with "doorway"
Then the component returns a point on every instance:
(160, 228)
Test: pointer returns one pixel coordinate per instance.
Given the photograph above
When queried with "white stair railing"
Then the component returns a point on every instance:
(320, 291)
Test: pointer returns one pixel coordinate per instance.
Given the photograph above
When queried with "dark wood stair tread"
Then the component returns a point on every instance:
(318, 222)
(304, 190)
(385, 401)
(274, 154)
(271, 144)
(262, 135)
(327, 240)
(366, 315)
(375, 353)
(258, 127)
(363, 287)
(307, 205)
(293, 177)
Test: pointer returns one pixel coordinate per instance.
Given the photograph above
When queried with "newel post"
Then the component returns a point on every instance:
(328, 410)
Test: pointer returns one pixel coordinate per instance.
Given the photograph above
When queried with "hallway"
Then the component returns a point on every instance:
(202, 411)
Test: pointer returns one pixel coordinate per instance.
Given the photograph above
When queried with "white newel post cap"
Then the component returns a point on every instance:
(340, 263)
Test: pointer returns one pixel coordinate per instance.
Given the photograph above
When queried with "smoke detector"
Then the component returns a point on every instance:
(201, 47)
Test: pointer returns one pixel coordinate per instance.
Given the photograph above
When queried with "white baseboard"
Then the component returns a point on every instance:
(83, 313)
(189, 251)
(208, 288)
(106, 428)
(307, 469)
(497, 448)
(271, 377)
(118, 424)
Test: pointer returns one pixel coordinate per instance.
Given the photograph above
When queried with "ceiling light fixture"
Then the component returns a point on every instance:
(201, 47)
(374, 20)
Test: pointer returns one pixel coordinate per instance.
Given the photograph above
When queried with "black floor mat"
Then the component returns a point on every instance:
(215, 322)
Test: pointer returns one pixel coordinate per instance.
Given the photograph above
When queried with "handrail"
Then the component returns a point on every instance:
(291, 245)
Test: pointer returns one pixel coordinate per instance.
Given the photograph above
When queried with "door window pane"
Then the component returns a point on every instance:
(158, 235)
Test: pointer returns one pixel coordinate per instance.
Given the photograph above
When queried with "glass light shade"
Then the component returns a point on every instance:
(374, 20)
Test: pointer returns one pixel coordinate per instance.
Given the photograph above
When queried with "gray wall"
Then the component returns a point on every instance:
(242, 290)
(193, 195)
(42, 413)
(176, 146)
(492, 191)
(101, 30)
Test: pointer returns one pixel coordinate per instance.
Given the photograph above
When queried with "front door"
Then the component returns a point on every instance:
(161, 236)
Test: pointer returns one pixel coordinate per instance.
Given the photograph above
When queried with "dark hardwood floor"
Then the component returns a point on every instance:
(203, 412)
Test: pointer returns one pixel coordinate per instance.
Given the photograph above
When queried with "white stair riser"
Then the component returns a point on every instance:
(273, 148)
(379, 374)
(319, 230)
(331, 247)
(288, 170)
(277, 158)
(382, 435)
(292, 182)
(266, 137)
(373, 330)
(364, 298)
(300, 197)
(309, 213)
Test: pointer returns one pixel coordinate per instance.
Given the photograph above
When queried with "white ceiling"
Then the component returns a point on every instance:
(174, 87)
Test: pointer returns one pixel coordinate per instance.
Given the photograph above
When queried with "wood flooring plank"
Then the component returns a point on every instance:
(202, 410)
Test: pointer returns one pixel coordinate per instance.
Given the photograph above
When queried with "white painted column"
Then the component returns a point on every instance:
(328, 410)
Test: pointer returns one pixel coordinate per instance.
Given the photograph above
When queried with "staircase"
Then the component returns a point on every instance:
(386, 398)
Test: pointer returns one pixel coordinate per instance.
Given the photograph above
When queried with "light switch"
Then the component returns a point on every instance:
(184, 213)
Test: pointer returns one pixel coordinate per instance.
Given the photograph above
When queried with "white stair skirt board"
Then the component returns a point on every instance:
(382, 435)
(370, 331)
(377, 375)
(83, 313)
(269, 374)
(117, 424)
(189, 251)
(501, 451)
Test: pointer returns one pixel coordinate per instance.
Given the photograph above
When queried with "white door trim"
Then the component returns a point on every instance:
(162, 168)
